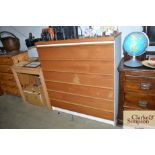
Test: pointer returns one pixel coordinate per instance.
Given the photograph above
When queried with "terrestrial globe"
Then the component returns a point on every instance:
(135, 44)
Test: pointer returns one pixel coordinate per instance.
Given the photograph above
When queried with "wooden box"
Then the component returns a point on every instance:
(34, 95)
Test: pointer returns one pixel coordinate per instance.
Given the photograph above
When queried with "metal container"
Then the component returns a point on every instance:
(10, 43)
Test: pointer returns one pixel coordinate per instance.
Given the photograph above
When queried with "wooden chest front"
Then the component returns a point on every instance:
(137, 89)
(80, 78)
(7, 81)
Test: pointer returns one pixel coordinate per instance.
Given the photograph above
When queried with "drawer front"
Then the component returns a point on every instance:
(6, 77)
(6, 61)
(96, 103)
(9, 83)
(20, 57)
(82, 90)
(84, 79)
(10, 90)
(139, 101)
(5, 69)
(87, 52)
(82, 109)
(140, 84)
(79, 66)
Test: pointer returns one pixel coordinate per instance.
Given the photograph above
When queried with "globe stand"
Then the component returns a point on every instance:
(133, 62)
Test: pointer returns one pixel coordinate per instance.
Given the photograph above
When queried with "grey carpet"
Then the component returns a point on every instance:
(14, 114)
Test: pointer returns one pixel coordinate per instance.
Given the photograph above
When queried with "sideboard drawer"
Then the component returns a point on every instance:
(140, 84)
(11, 90)
(139, 101)
(6, 61)
(7, 77)
(9, 83)
(5, 69)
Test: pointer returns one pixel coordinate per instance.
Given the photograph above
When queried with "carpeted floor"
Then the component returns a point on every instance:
(14, 114)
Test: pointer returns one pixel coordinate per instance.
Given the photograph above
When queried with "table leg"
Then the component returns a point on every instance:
(18, 84)
(45, 90)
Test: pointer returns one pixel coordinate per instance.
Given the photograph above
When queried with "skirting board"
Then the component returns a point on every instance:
(84, 115)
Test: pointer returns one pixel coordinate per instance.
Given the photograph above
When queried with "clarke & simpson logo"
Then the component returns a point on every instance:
(139, 119)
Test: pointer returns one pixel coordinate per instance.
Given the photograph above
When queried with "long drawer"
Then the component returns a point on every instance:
(104, 93)
(6, 61)
(5, 69)
(83, 109)
(79, 66)
(140, 84)
(139, 101)
(9, 83)
(10, 90)
(85, 79)
(7, 77)
(96, 103)
(87, 52)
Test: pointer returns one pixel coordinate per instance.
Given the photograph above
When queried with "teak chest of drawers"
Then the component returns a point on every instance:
(137, 89)
(7, 81)
(81, 74)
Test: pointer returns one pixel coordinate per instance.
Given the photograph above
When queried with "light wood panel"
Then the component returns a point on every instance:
(7, 77)
(5, 69)
(6, 61)
(82, 109)
(9, 83)
(87, 52)
(97, 103)
(97, 66)
(81, 90)
(10, 90)
(27, 80)
(80, 77)
(29, 76)
(83, 79)
(20, 57)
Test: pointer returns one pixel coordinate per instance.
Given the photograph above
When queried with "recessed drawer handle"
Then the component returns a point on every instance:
(142, 103)
(145, 86)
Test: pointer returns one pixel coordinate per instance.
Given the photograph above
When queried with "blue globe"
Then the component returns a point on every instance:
(135, 43)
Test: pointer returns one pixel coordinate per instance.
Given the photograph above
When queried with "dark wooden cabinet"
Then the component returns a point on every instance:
(136, 90)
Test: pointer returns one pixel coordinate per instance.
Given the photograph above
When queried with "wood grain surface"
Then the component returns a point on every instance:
(87, 52)
(82, 109)
(104, 93)
(97, 103)
(80, 77)
(79, 66)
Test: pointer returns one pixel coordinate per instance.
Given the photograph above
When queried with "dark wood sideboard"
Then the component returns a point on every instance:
(136, 90)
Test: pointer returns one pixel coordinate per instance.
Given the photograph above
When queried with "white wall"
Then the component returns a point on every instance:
(128, 29)
(22, 32)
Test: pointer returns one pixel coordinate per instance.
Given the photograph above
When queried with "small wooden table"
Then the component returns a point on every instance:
(31, 71)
